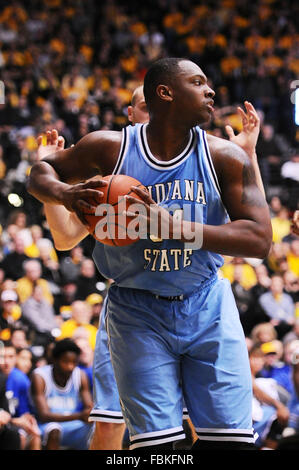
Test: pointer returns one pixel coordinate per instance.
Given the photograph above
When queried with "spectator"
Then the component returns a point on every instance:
(32, 277)
(281, 225)
(62, 399)
(19, 338)
(17, 392)
(290, 175)
(13, 263)
(10, 312)
(64, 299)
(70, 265)
(96, 303)
(277, 365)
(294, 333)
(278, 306)
(81, 316)
(9, 434)
(87, 280)
(267, 408)
(263, 333)
(24, 360)
(40, 316)
(50, 265)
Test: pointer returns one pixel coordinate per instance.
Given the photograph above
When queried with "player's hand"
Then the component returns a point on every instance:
(83, 198)
(54, 143)
(282, 414)
(84, 415)
(5, 417)
(248, 137)
(295, 223)
(155, 220)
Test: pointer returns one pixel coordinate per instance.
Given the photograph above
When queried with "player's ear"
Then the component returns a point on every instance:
(130, 113)
(165, 92)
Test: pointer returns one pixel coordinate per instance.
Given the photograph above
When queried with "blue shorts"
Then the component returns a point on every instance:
(74, 434)
(106, 404)
(163, 350)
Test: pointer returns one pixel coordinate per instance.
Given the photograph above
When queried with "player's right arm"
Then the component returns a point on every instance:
(66, 229)
(61, 178)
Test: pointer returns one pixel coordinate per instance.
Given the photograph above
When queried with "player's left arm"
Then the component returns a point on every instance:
(249, 232)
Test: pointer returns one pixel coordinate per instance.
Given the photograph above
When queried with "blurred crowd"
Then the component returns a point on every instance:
(73, 65)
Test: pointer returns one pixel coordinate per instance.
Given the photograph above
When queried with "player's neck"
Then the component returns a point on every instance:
(165, 140)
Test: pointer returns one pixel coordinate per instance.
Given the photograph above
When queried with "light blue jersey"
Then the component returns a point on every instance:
(167, 267)
(65, 400)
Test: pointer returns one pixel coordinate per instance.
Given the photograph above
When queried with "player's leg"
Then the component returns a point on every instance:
(216, 375)
(107, 436)
(106, 413)
(146, 367)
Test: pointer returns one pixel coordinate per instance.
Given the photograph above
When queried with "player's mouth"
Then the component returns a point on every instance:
(210, 106)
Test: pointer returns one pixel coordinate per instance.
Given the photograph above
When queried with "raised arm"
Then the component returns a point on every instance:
(247, 138)
(66, 229)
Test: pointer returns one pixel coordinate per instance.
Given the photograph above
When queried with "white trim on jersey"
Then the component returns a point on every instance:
(123, 150)
(161, 164)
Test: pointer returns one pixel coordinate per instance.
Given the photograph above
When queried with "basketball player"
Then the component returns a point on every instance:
(185, 324)
(62, 399)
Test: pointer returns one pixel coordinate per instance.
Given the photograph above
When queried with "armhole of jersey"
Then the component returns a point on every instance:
(77, 378)
(123, 150)
(210, 165)
(45, 378)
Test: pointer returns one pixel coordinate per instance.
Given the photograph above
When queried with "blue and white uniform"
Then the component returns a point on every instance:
(106, 404)
(64, 400)
(173, 326)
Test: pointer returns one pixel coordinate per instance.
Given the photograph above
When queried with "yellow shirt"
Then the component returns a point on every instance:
(248, 279)
(293, 262)
(25, 287)
(69, 327)
(280, 228)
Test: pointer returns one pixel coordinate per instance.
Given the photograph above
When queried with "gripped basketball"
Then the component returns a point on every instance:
(108, 225)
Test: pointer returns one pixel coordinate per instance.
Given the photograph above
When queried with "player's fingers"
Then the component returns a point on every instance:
(92, 184)
(144, 194)
(54, 137)
(230, 132)
(95, 196)
(251, 110)
(39, 140)
(243, 115)
(48, 136)
(61, 142)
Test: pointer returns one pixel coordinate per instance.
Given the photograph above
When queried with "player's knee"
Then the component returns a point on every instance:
(102, 428)
(54, 438)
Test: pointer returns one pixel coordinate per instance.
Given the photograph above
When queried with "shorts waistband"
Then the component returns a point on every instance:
(174, 298)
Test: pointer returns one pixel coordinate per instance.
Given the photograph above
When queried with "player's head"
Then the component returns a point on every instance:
(65, 355)
(178, 87)
(137, 111)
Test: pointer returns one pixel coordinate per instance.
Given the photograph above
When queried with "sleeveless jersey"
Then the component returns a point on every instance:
(65, 400)
(188, 182)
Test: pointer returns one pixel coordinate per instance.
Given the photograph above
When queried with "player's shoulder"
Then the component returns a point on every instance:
(102, 137)
(220, 147)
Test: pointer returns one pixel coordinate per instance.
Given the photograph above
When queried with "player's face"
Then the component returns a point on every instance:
(192, 94)
(138, 112)
(67, 363)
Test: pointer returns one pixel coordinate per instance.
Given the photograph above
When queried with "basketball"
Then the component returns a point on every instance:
(108, 225)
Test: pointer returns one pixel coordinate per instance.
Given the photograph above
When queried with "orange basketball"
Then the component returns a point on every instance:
(109, 225)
